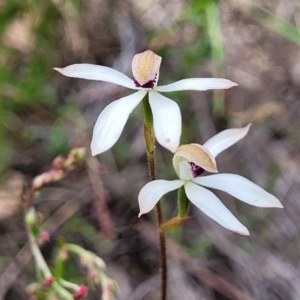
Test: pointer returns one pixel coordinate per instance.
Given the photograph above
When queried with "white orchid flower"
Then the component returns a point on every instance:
(189, 162)
(166, 113)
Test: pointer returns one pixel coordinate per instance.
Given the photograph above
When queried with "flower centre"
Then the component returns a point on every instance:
(196, 170)
(148, 85)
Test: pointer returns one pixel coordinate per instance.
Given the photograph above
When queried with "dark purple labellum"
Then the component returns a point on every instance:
(196, 170)
(148, 85)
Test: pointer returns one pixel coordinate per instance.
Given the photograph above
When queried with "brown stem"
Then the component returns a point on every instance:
(163, 253)
(162, 238)
(150, 146)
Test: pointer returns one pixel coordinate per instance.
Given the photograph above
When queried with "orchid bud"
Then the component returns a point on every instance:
(30, 217)
(58, 162)
(43, 238)
(48, 282)
(81, 293)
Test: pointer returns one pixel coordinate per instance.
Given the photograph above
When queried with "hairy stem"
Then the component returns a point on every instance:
(183, 203)
(150, 146)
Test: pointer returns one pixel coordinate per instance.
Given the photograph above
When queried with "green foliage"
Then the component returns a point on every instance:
(275, 24)
(58, 140)
(25, 66)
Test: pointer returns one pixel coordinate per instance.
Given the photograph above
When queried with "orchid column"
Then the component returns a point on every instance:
(162, 117)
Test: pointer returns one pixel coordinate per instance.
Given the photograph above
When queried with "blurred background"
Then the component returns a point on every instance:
(43, 115)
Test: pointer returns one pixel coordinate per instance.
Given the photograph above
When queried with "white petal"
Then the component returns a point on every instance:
(95, 72)
(225, 139)
(153, 191)
(166, 119)
(240, 188)
(214, 208)
(198, 84)
(111, 122)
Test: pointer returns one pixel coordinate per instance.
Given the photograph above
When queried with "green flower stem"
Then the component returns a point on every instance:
(149, 136)
(69, 285)
(75, 249)
(59, 266)
(44, 269)
(150, 146)
(39, 259)
(183, 203)
(88, 258)
(63, 293)
(96, 264)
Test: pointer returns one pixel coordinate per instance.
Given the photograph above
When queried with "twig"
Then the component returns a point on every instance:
(102, 209)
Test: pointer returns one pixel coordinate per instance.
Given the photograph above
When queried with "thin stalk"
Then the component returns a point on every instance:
(59, 266)
(39, 259)
(44, 269)
(150, 146)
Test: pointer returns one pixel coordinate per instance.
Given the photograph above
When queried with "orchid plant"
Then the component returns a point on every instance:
(52, 283)
(162, 122)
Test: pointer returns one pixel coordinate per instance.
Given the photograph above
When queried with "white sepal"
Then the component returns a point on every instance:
(197, 84)
(240, 188)
(95, 72)
(214, 208)
(112, 120)
(151, 193)
(225, 139)
(166, 120)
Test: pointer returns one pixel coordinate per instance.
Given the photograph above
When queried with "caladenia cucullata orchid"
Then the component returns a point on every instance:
(162, 117)
(166, 113)
(189, 162)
